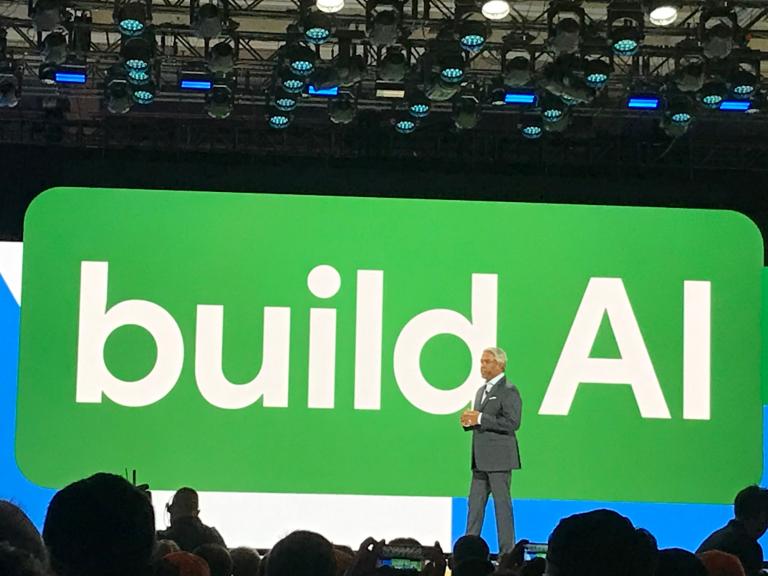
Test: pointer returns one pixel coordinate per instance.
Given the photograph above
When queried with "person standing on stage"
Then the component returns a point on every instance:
(493, 420)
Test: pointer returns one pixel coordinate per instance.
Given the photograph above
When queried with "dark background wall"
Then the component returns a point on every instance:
(27, 171)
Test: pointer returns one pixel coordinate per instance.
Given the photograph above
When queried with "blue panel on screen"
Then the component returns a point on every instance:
(333, 91)
(13, 485)
(643, 102)
(520, 98)
(70, 77)
(735, 105)
(204, 85)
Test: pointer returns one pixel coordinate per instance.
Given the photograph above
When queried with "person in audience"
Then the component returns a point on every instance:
(186, 528)
(218, 558)
(740, 536)
(473, 567)
(20, 562)
(600, 543)
(720, 563)
(302, 553)
(344, 557)
(18, 531)
(245, 561)
(100, 526)
(370, 551)
(679, 562)
(468, 547)
(182, 564)
(163, 548)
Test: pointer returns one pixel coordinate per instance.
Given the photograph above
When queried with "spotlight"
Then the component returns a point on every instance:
(118, 94)
(662, 12)
(331, 92)
(404, 125)
(520, 97)
(349, 69)
(136, 53)
(132, 17)
(221, 58)
(393, 66)
(329, 6)
(674, 129)
(679, 110)
(559, 124)
(301, 60)
(596, 73)
(517, 71)
(559, 78)
(718, 41)
(712, 94)
(643, 102)
(54, 49)
(466, 112)
(285, 101)
(71, 74)
(395, 90)
(144, 93)
(207, 21)
(552, 108)
(136, 77)
(317, 28)
(278, 119)
(438, 90)
(625, 27)
(47, 74)
(47, 14)
(496, 92)
(565, 20)
(495, 9)
(290, 81)
(531, 127)
(383, 22)
(192, 80)
(472, 35)
(452, 70)
(219, 101)
(690, 77)
(742, 83)
(419, 105)
(735, 105)
(341, 110)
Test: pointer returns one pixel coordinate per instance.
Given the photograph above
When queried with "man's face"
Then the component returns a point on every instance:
(489, 366)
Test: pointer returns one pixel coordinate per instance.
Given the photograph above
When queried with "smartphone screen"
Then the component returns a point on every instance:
(401, 563)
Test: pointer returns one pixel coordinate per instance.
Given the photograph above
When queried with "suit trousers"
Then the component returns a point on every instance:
(496, 483)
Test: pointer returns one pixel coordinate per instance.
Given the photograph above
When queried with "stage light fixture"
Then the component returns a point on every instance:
(342, 110)
(438, 90)
(132, 18)
(643, 102)
(54, 49)
(350, 69)
(520, 97)
(47, 14)
(194, 81)
(496, 92)
(517, 71)
(735, 105)
(383, 22)
(285, 101)
(71, 74)
(625, 27)
(712, 94)
(207, 20)
(144, 93)
(742, 83)
(565, 19)
(662, 12)
(558, 124)
(330, 92)
(596, 72)
(393, 65)
(395, 90)
(290, 81)
(301, 59)
(466, 112)
(495, 9)
(278, 119)
(717, 29)
(220, 101)
(452, 72)
(419, 105)
(689, 77)
(552, 107)
(531, 127)
(118, 94)
(679, 110)
(138, 76)
(560, 78)
(221, 58)
(317, 27)
(674, 129)
(329, 6)
(404, 125)
(136, 53)
(473, 35)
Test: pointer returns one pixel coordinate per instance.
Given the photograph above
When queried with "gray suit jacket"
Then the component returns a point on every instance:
(494, 443)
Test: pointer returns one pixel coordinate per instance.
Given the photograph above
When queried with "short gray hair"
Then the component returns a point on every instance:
(499, 354)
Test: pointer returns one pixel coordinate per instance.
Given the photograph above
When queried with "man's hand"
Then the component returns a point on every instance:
(364, 562)
(469, 418)
(435, 558)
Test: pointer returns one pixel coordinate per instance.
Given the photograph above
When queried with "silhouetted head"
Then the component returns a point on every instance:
(679, 562)
(473, 567)
(18, 531)
(302, 553)
(218, 558)
(19, 562)
(751, 508)
(245, 561)
(720, 563)
(100, 526)
(599, 543)
(467, 547)
(182, 564)
(185, 503)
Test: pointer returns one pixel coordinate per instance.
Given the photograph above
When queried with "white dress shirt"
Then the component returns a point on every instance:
(488, 386)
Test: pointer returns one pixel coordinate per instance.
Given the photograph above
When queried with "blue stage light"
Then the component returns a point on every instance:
(199, 84)
(643, 102)
(70, 77)
(735, 105)
(326, 92)
(405, 126)
(518, 97)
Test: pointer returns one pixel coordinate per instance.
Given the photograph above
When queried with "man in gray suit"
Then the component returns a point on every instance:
(494, 419)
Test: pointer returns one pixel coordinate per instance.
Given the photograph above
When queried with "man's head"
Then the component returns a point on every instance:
(492, 362)
(217, 557)
(599, 543)
(751, 508)
(679, 562)
(185, 503)
(18, 531)
(720, 563)
(468, 547)
(100, 526)
(245, 561)
(302, 553)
